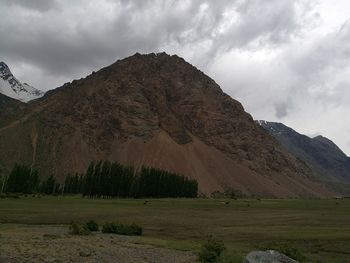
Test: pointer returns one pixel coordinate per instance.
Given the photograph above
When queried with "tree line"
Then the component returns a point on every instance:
(104, 179)
(23, 179)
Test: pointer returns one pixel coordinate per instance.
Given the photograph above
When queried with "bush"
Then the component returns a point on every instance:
(287, 250)
(14, 196)
(78, 229)
(230, 257)
(211, 250)
(91, 225)
(122, 229)
(293, 253)
(233, 194)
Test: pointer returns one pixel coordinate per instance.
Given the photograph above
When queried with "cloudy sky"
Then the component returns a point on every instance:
(285, 60)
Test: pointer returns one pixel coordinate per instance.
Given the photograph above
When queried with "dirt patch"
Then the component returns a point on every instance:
(23, 243)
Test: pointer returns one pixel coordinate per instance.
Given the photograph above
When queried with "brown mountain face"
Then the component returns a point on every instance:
(9, 109)
(155, 110)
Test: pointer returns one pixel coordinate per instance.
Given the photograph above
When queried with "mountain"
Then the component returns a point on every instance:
(11, 87)
(9, 109)
(324, 157)
(155, 110)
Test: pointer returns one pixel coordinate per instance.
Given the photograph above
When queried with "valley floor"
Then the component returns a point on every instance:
(52, 244)
(37, 228)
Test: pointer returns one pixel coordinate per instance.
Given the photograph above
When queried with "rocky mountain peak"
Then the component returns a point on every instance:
(5, 72)
(11, 87)
(156, 110)
(3, 67)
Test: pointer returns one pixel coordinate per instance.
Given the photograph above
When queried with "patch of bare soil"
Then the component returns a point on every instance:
(52, 244)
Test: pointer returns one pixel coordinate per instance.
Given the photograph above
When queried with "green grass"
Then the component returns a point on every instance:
(320, 229)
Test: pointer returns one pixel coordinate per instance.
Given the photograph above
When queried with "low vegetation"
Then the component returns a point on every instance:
(92, 226)
(294, 254)
(229, 193)
(111, 228)
(122, 229)
(288, 250)
(211, 250)
(319, 229)
(78, 229)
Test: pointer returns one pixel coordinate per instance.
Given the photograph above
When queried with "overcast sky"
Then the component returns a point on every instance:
(284, 60)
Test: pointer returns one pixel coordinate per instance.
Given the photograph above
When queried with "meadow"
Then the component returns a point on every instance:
(319, 229)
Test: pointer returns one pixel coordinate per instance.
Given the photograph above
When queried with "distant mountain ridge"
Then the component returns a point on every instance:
(325, 158)
(13, 88)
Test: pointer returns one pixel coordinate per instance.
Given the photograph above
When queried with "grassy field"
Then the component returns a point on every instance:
(320, 229)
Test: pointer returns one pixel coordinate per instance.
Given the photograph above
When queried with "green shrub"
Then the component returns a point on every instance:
(136, 229)
(211, 250)
(78, 229)
(13, 195)
(91, 225)
(122, 229)
(287, 250)
(293, 253)
(230, 257)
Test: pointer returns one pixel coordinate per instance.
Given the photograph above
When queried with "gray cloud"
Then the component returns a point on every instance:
(87, 34)
(39, 5)
(306, 86)
(277, 57)
(281, 110)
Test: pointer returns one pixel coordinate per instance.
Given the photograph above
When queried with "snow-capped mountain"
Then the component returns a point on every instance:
(13, 88)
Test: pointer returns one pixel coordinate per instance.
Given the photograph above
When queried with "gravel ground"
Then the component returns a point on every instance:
(52, 244)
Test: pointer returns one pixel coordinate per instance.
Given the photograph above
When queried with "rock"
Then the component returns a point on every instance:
(269, 256)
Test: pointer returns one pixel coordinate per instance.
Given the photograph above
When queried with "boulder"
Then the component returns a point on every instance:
(269, 256)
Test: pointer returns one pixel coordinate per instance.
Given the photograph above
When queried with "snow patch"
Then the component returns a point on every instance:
(13, 88)
(262, 122)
